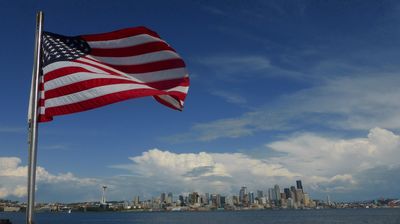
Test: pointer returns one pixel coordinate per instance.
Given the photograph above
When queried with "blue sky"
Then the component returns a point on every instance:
(280, 91)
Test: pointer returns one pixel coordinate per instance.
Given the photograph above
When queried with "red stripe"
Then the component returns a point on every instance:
(118, 34)
(131, 51)
(100, 101)
(178, 95)
(168, 84)
(149, 67)
(111, 72)
(83, 85)
(92, 83)
(168, 104)
(63, 71)
(41, 86)
(44, 118)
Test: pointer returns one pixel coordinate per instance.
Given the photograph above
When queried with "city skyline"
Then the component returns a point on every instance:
(280, 91)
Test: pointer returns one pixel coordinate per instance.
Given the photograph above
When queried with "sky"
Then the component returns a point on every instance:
(280, 91)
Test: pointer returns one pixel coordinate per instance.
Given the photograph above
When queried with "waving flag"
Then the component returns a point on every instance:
(89, 71)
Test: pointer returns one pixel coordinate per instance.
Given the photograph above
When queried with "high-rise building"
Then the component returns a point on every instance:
(207, 199)
(243, 195)
(222, 201)
(162, 198)
(293, 193)
(136, 201)
(235, 200)
(299, 196)
(251, 198)
(260, 194)
(277, 194)
(271, 195)
(194, 198)
(182, 200)
(170, 198)
(299, 185)
(287, 193)
(306, 200)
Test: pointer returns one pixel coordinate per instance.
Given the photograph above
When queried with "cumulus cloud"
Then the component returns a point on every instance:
(203, 172)
(346, 169)
(13, 181)
(339, 167)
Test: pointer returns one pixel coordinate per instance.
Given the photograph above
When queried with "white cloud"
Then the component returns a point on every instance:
(203, 172)
(236, 64)
(339, 167)
(356, 168)
(13, 180)
(357, 103)
(230, 97)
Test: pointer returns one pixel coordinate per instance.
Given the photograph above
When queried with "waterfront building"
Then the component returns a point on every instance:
(262, 201)
(181, 200)
(194, 198)
(306, 200)
(293, 193)
(235, 200)
(299, 196)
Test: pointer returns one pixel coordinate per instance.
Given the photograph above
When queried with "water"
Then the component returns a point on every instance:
(329, 216)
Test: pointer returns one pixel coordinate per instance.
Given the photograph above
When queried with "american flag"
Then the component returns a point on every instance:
(89, 71)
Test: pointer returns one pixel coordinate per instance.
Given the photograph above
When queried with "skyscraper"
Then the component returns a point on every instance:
(287, 193)
(260, 194)
(251, 198)
(170, 197)
(299, 185)
(136, 200)
(243, 195)
(162, 198)
(278, 194)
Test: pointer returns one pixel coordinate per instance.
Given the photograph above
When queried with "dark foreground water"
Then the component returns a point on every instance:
(329, 216)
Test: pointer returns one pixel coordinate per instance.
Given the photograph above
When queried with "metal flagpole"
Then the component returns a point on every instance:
(32, 119)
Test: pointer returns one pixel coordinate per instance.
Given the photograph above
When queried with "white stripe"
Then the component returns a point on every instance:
(124, 42)
(42, 110)
(170, 100)
(182, 89)
(162, 75)
(91, 93)
(61, 64)
(100, 65)
(77, 77)
(139, 59)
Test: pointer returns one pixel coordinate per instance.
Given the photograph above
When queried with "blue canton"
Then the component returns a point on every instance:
(62, 48)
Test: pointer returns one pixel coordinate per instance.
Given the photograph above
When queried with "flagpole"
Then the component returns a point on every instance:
(32, 119)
